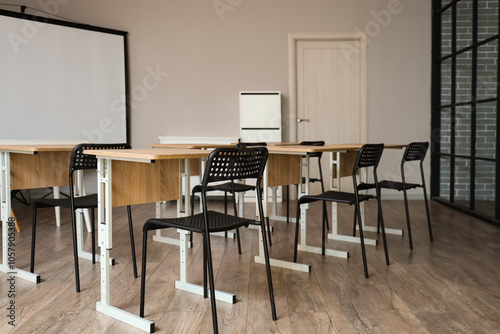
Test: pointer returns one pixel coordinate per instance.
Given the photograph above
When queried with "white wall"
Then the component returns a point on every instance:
(203, 57)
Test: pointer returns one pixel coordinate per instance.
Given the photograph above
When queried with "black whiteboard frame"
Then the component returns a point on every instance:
(124, 34)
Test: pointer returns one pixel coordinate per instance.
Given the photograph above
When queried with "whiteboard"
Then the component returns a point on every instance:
(61, 81)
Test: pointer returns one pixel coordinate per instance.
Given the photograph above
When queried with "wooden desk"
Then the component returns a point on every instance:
(133, 177)
(27, 167)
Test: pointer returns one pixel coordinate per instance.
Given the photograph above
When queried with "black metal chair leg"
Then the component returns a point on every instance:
(326, 217)
(92, 219)
(235, 212)
(355, 222)
(297, 223)
(323, 190)
(323, 229)
(238, 240)
(407, 218)
(205, 270)
(362, 241)
(211, 283)
(379, 217)
(381, 222)
(269, 277)
(132, 242)
(143, 270)
(287, 204)
(225, 210)
(192, 213)
(33, 237)
(427, 209)
(75, 250)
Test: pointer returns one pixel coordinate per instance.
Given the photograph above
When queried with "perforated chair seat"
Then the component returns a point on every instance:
(226, 187)
(334, 196)
(398, 185)
(386, 184)
(219, 222)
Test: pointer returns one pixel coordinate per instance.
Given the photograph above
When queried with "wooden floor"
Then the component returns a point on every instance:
(449, 286)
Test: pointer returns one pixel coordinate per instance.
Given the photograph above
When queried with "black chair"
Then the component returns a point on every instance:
(227, 187)
(317, 155)
(80, 161)
(223, 164)
(415, 151)
(368, 156)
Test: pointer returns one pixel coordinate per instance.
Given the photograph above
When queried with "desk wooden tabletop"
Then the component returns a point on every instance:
(326, 148)
(191, 145)
(279, 147)
(210, 145)
(37, 148)
(149, 155)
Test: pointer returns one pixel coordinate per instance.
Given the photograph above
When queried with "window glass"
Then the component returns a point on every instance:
(486, 130)
(487, 19)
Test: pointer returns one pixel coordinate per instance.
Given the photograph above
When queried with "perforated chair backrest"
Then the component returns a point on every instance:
(314, 143)
(251, 144)
(225, 164)
(81, 161)
(415, 151)
(369, 156)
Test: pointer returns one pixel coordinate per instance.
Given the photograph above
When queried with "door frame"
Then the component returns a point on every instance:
(360, 39)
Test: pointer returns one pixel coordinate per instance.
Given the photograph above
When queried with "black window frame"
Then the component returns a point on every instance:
(438, 8)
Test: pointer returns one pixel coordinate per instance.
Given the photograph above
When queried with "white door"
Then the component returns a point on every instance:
(328, 89)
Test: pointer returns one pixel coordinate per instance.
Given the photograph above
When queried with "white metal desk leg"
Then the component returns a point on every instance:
(57, 209)
(241, 204)
(104, 218)
(187, 191)
(303, 208)
(8, 264)
(184, 199)
(183, 283)
(260, 258)
(334, 184)
(80, 189)
(79, 233)
(105, 243)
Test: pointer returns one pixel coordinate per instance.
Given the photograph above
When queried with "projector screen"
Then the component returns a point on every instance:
(61, 81)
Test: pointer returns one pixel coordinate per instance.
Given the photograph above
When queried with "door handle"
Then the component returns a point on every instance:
(300, 120)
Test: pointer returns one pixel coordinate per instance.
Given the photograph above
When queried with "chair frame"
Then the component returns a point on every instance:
(415, 151)
(80, 161)
(368, 156)
(223, 164)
